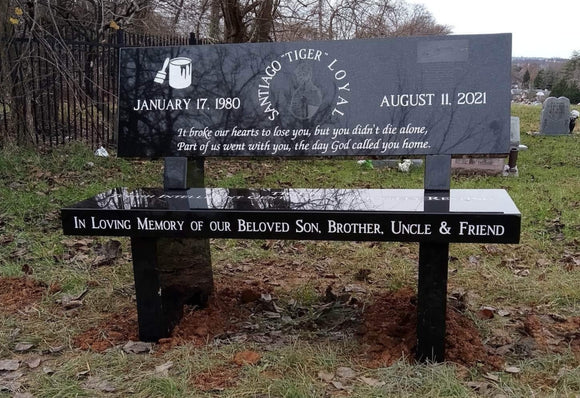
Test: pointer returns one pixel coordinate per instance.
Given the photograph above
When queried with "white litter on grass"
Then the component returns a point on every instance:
(367, 164)
(102, 152)
(405, 166)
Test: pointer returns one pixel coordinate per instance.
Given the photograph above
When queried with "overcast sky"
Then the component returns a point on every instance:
(548, 28)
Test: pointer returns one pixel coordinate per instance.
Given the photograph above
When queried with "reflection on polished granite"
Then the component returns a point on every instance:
(364, 200)
(425, 95)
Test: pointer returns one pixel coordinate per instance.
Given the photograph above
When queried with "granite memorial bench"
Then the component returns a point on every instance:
(432, 97)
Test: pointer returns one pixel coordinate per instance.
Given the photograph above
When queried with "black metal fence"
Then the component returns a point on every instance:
(59, 87)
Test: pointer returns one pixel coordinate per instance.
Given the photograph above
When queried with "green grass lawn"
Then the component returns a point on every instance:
(305, 352)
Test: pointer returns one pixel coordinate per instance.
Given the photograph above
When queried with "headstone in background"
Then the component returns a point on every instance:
(574, 114)
(555, 118)
(514, 131)
(511, 169)
(490, 166)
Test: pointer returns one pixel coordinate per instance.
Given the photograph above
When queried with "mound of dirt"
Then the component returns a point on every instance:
(224, 311)
(389, 333)
(198, 326)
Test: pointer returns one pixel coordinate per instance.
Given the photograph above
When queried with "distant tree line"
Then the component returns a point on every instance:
(562, 79)
(568, 85)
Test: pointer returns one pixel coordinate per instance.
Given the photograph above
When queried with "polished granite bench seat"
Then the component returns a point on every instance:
(474, 215)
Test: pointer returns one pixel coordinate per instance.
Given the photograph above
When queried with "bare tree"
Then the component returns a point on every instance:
(348, 19)
(249, 21)
(6, 34)
(290, 20)
(86, 17)
(231, 21)
(34, 34)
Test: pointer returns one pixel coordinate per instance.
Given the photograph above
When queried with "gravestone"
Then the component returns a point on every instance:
(514, 132)
(555, 119)
(573, 117)
(493, 165)
(511, 169)
(478, 166)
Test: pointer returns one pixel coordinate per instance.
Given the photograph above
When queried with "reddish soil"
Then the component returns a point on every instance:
(198, 326)
(18, 293)
(216, 378)
(553, 333)
(389, 333)
(387, 329)
(114, 330)
(570, 331)
(225, 309)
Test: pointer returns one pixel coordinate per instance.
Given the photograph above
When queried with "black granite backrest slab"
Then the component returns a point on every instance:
(437, 95)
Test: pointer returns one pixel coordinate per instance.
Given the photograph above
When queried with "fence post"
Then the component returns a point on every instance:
(192, 39)
(6, 31)
(119, 43)
(120, 38)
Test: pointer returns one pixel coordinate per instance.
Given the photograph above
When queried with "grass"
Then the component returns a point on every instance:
(537, 276)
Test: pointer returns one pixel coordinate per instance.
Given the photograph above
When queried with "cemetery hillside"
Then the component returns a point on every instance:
(290, 318)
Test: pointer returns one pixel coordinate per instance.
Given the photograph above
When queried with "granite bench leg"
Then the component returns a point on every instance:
(169, 273)
(433, 262)
(153, 322)
(432, 301)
